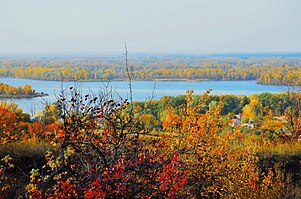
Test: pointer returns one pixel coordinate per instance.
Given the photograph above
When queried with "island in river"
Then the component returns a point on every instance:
(8, 91)
(6, 96)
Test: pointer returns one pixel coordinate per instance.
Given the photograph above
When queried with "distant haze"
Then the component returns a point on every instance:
(155, 26)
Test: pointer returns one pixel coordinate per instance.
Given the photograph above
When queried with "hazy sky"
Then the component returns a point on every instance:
(167, 26)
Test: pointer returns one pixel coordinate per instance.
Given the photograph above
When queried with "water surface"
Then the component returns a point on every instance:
(142, 90)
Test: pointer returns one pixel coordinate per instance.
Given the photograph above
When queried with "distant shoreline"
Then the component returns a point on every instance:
(181, 80)
(4, 96)
(151, 80)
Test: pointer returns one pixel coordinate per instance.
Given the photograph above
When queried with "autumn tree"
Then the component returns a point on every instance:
(7, 126)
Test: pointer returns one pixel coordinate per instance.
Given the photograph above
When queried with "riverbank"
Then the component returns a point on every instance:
(4, 96)
(150, 80)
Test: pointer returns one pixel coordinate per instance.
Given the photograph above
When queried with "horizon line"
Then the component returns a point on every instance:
(111, 53)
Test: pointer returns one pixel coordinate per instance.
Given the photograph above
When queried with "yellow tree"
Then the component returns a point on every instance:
(217, 163)
(253, 109)
(27, 89)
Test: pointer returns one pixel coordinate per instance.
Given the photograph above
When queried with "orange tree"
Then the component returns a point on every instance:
(7, 124)
(13, 122)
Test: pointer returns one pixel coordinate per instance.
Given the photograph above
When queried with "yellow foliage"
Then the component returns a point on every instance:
(223, 164)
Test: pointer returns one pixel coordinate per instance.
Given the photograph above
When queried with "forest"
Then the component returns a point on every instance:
(276, 70)
(189, 146)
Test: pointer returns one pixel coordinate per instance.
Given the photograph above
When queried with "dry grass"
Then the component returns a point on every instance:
(25, 149)
(292, 148)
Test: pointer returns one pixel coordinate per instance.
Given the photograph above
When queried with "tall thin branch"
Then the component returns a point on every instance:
(128, 72)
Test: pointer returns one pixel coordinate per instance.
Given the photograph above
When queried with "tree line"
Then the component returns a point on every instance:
(265, 70)
(8, 90)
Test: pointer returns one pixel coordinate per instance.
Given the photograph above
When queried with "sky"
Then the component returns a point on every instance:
(154, 26)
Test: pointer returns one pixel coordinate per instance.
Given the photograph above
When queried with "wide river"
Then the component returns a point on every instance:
(142, 90)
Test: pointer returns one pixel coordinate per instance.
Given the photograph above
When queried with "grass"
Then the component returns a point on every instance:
(25, 149)
(281, 149)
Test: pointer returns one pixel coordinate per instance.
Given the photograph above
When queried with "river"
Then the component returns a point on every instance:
(142, 90)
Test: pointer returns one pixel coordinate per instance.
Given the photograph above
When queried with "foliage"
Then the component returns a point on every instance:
(102, 150)
(8, 90)
(178, 147)
(6, 181)
(265, 70)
